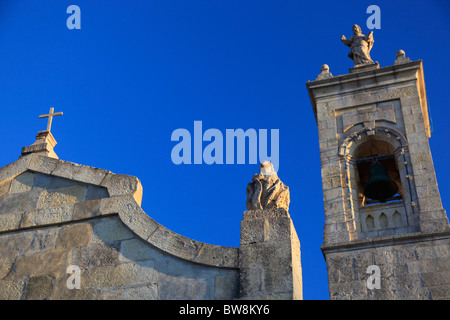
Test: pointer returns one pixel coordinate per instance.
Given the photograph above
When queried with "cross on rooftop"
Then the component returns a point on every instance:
(50, 116)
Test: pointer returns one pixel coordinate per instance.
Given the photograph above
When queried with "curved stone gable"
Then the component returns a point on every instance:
(124, 199)
(57, 217)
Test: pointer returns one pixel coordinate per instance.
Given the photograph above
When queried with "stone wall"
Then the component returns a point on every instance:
(416, 267)
(55, 214)
(114, 263)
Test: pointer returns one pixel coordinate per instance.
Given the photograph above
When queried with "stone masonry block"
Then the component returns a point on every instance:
(226, 287)
(94, 192)
(49, 182)
(123, 275)
(20, 202)
(436, 278)
(251, 278)
(110, 229)
(179, 288)
(11, 290)
(331, 182)
(119, 184)
(4, 187)
(39, 287)
(177, 244)
(139, 221)
(6, 264)
(22, 183)
(277, 229)
(49, 262)
(10, 221)
(434, 225)
(62, 196)
(86, 209)
(218, 256)
(124, 204)
(265, 255)
(47, 216)
(252, 231)
(330, 171)
(441, 292)
(277, 280)
(96, 255)
(44, 239)
(78, 172)
(13, 169)
(42, 164)
(136, 250)
(74, 235)
(13, 245)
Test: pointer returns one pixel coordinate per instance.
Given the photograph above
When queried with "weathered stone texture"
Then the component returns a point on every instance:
(55, 214)
(114, 263)
(269, 256)
(39, 287)
(33, 191)
(410, 270)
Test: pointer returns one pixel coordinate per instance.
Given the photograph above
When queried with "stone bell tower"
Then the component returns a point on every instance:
(390, 246)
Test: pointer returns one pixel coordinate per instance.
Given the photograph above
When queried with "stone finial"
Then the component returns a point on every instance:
(266, 190)
(44, 144)
(324, 72)
(401, 57)
(400, 53)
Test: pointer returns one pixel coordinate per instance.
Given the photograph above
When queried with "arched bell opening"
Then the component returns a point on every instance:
(377, 173)
(393, 213)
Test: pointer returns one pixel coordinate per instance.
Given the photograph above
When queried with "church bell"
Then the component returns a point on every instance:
(380, 187)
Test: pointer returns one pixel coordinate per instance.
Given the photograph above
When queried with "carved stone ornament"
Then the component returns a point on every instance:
(266, 191)
(360, 46)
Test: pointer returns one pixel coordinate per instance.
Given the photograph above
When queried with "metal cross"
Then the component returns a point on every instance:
(50, 115)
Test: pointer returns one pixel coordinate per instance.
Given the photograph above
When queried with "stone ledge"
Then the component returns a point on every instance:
(356, 77)
(341, 85)
(384, 241)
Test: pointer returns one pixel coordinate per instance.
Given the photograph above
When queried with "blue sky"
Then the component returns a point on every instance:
(138, 70)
